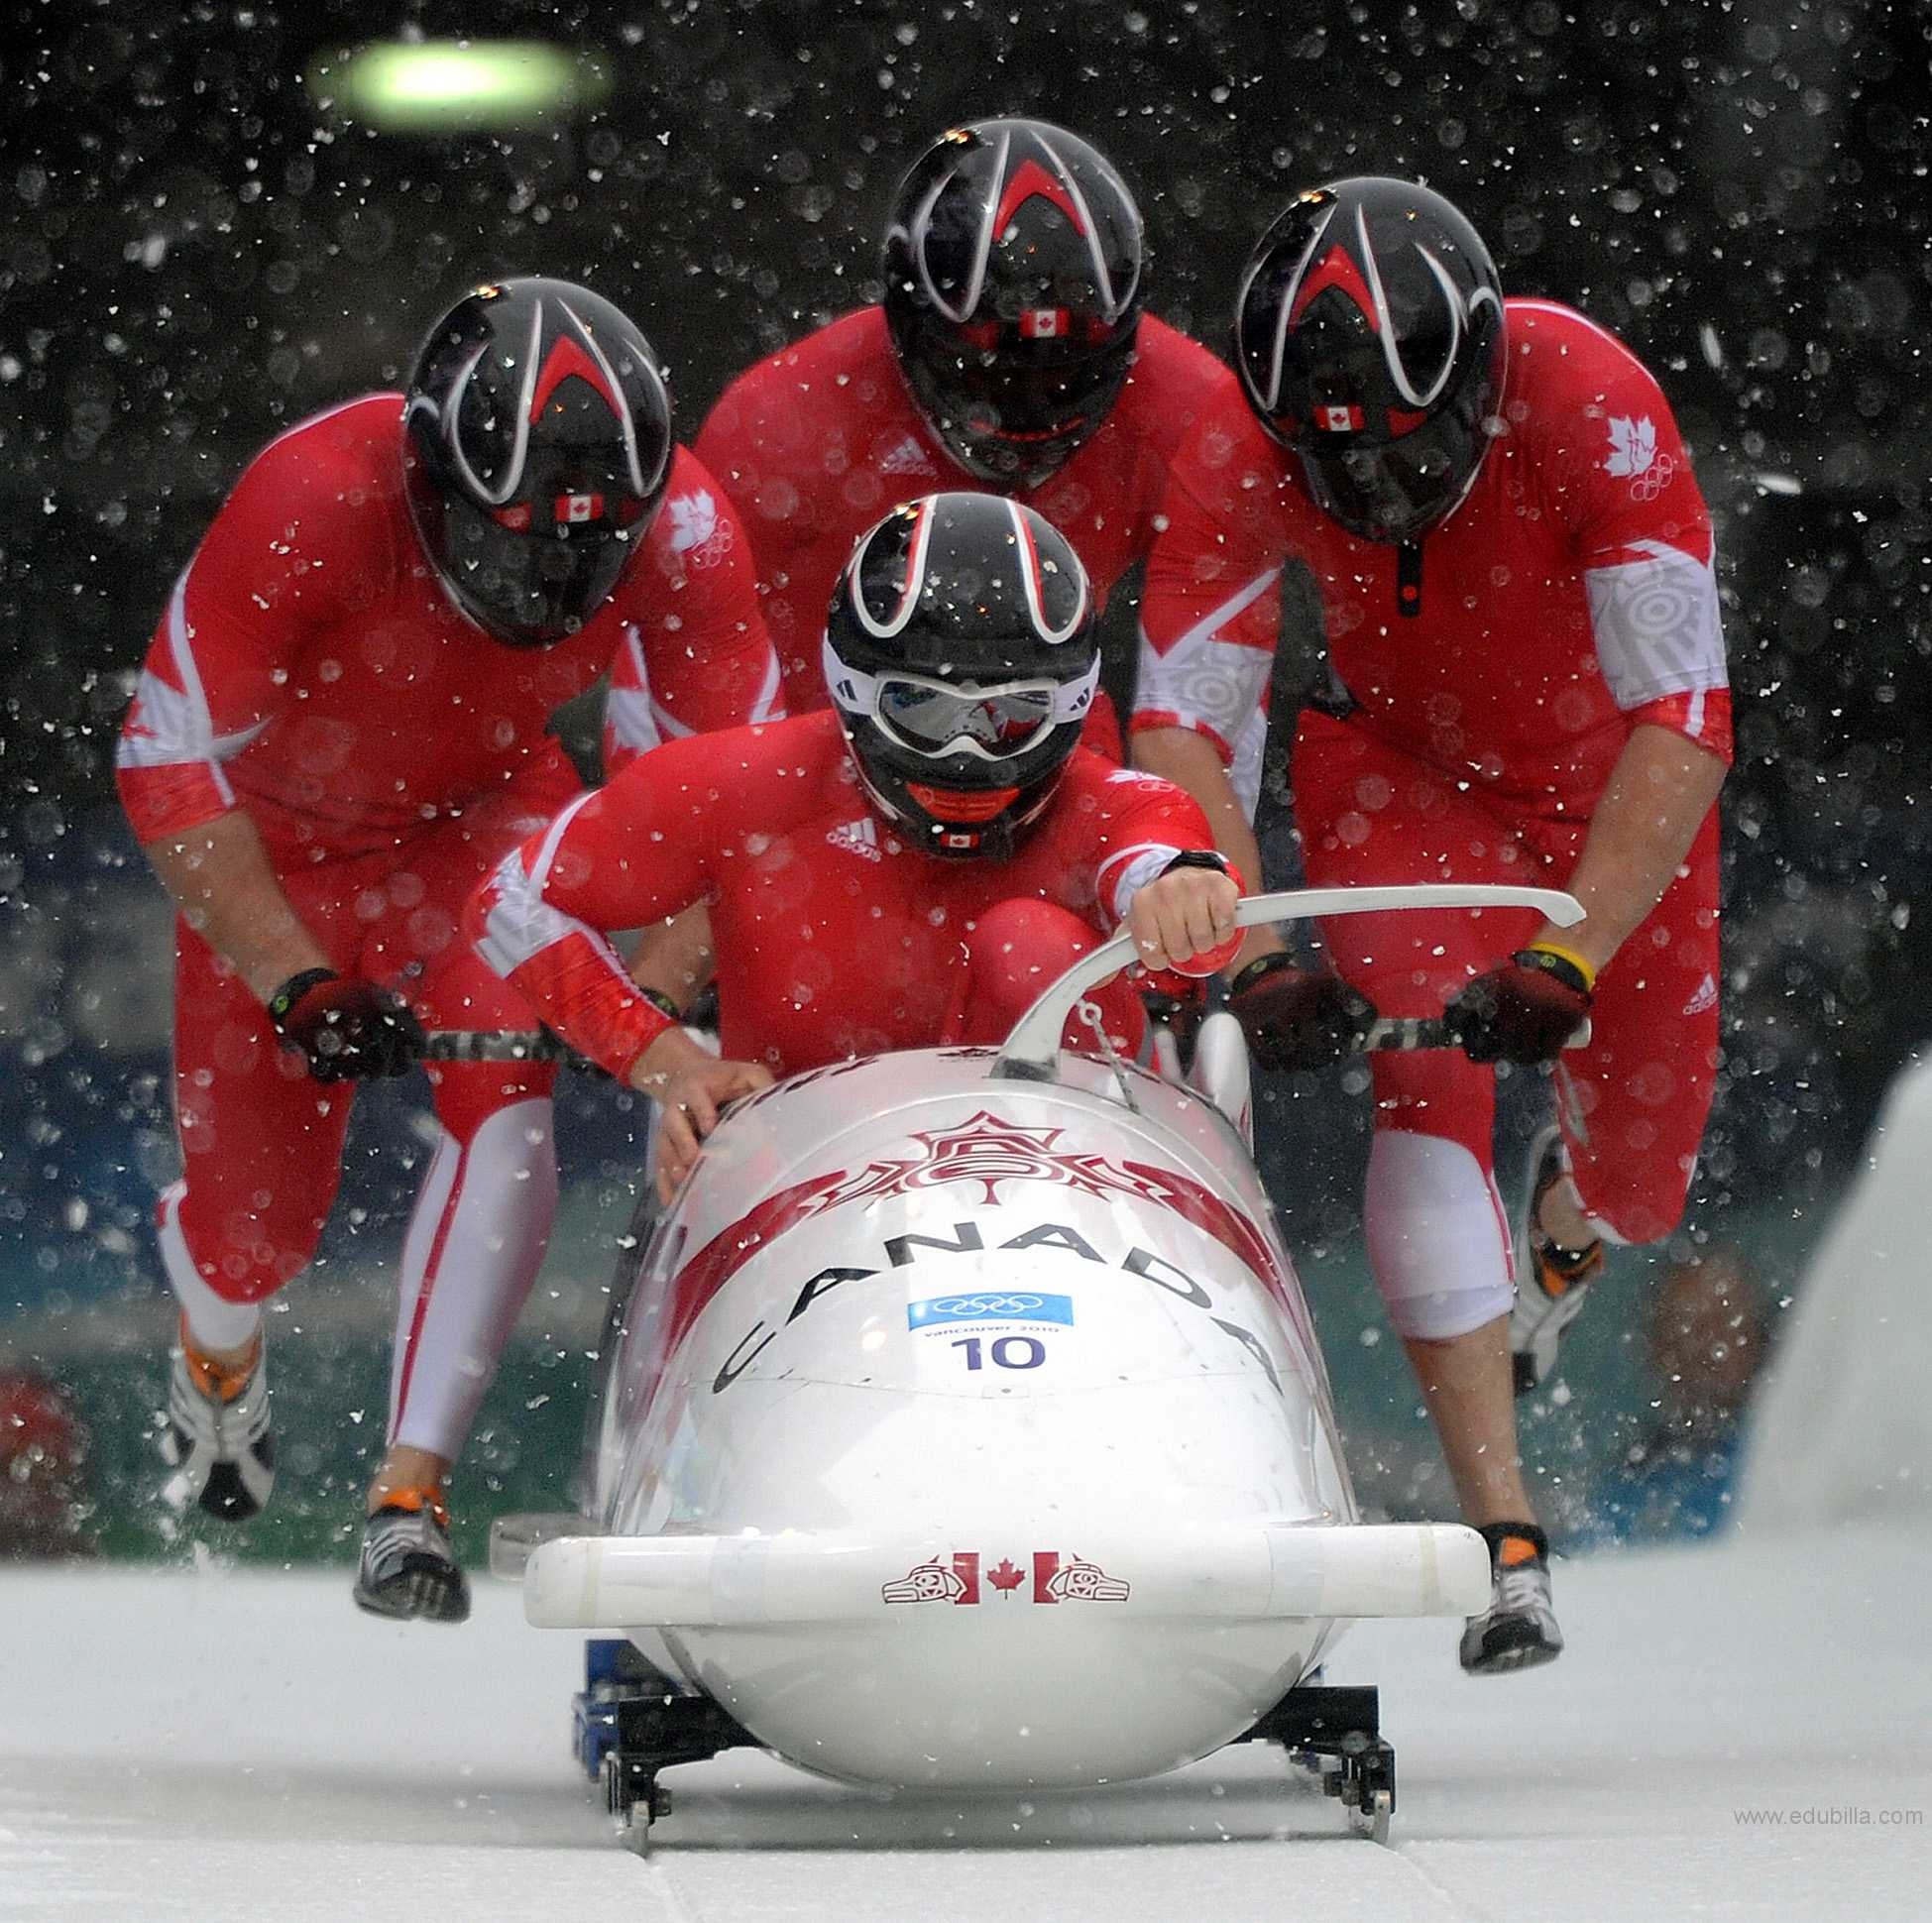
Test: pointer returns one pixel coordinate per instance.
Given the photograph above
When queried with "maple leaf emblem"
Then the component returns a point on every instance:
(693, 516)
(1633, 444)
(1005, 1574)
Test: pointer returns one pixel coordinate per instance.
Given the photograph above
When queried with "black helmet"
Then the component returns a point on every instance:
(961, 656)
(538, 442)
(1368, 335)
(1013, 292)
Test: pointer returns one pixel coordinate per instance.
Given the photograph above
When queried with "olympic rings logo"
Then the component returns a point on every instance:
(1653, 480)
(986, 1305)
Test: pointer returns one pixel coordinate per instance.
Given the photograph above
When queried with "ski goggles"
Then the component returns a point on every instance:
(996, 721)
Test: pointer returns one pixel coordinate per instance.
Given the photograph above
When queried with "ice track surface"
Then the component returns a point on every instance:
(367, 1770)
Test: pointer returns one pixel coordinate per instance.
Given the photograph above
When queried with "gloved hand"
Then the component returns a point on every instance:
(349, 1031)
(1298, 1018)
(1522, 1011)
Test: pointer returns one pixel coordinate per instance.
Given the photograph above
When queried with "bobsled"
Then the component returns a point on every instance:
(965, 1426)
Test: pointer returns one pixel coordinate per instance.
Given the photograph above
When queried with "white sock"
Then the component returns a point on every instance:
(213, 1321)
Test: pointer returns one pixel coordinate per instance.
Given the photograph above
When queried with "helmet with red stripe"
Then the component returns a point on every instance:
(961, 656)
(1013, 294)
(1369, 337)
(537, 444)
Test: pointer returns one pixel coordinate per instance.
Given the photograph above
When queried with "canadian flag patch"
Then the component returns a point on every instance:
(1338, 421)
(575, 508)
(958, 1579)
(1043, 324)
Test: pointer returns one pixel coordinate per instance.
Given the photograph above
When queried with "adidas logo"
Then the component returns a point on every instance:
(905, 456)
(1705, 997)
(857, 837)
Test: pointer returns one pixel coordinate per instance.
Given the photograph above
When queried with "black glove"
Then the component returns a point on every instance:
(349, 1031)
(1522, 1012)
(1298, 1018)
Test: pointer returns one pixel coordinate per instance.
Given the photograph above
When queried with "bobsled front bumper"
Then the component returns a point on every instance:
(1230, 1573)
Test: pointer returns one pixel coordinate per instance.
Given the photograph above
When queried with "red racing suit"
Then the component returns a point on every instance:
(835, 938)
(819, 441)
(1467, 736)
(309, 669)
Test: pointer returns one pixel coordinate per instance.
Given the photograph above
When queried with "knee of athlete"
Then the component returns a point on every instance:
(1630, 1172)
(1121, 1015)
(1437, 1244)
(1019, 946)
(1628, 1217)
(252, 1253)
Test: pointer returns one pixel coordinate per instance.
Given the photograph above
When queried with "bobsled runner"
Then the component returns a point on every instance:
(965, 1428)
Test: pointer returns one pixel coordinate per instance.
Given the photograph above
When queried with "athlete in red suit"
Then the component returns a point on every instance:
(338, 730)
(910, 869)
(1010, 355)
(1526, 684)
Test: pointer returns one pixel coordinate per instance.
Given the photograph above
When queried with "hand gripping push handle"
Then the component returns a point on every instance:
(1033, 1049)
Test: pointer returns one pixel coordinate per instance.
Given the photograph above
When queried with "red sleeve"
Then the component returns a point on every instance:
(288, 554)
(1616, 472)
(1144, 823)
(1211, 609)
(695, 656)
(635, 852)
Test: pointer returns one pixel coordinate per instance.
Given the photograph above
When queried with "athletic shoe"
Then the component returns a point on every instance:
(216, 1435)
(1517, 1630)
(1550, 1282)
(407, 1569)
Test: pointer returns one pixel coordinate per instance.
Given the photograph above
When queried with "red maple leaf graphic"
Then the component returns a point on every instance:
(1004, 1576)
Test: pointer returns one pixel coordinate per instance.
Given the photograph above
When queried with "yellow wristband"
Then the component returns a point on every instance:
(1570, 956)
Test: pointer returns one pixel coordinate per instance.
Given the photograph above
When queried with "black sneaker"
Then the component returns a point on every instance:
(1551, 1283)
(408, 1571)
(216, 1435)
(1517, 1630)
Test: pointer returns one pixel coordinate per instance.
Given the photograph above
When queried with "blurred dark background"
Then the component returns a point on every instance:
(197, 250)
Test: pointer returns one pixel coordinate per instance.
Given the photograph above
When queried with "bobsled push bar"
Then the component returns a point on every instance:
(1238, 1571)
(1387, 1031)
(504, 1045)
(1034, 1045)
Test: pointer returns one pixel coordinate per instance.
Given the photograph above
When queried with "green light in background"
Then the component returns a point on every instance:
(451, 85)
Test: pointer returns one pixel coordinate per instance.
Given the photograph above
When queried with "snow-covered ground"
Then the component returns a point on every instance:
(219, 1745)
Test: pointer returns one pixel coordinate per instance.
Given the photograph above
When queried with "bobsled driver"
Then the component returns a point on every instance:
(907, 869)
(339, 730)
